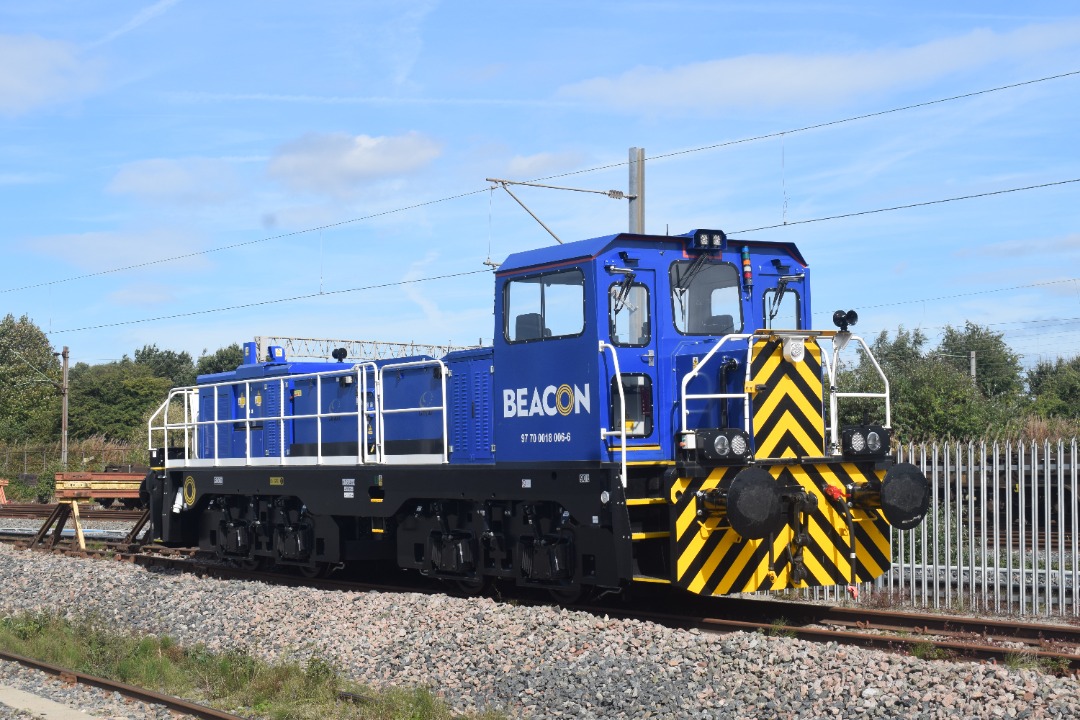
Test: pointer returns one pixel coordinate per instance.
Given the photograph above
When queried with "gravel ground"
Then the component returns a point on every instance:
(531, 661)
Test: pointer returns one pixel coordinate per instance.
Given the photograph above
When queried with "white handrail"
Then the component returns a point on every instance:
(621, 432)
(440, 408)
(683, 396)
(840, 341)
(160, 425)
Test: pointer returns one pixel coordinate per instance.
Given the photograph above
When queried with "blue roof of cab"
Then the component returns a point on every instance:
(571, 251)
(574, 251)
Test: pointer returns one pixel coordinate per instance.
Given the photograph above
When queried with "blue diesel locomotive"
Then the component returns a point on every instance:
(652, 409)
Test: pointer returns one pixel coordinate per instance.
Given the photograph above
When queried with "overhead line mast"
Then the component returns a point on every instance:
(636, 195)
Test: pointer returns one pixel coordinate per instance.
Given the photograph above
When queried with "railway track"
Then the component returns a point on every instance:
(179, 707)
(38, 511)
(1054, 647)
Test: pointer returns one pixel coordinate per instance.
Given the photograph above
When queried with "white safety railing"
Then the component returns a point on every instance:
(200, 438)
(684, 411)
(840, 341)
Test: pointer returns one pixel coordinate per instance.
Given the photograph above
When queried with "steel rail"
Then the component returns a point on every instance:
(881, 641)
(37, 511)
(137, 693)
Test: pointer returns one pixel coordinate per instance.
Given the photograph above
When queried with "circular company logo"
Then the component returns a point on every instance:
(189, 490)
(564, 399)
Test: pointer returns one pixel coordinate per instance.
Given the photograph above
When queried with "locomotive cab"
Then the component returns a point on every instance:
(637, 314)
(708, 390)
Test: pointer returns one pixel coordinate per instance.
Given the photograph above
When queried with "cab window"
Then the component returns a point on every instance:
(637, 392)
(544, 306)
(628, 314)
(705, 297)
(781, 310)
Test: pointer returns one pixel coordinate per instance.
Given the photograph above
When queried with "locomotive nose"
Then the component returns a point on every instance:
(905, 496)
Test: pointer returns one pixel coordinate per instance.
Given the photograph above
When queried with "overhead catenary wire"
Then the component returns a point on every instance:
(661, 156)
(474, 272)
(275, 301)
(245, 243)
(909, 206)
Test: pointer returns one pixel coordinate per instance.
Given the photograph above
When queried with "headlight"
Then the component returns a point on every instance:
(723, 445)
(865, 440)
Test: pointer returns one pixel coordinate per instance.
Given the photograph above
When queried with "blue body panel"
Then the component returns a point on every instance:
(471, 420)
(544, 391)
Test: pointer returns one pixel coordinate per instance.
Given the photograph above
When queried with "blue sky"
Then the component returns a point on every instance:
(163, 162)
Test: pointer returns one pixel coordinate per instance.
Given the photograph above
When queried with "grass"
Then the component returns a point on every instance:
(1027, 661)
(779, 628)
(928, 651)
(232, 681)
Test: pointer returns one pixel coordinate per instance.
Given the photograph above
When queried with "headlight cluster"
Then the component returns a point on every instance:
(709, 240)
(726, 445)
(865, 440)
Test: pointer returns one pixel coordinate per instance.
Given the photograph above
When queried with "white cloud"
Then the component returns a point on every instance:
(541, 164)
(418, 294)
(143, 16)
(36, 72)
(401, 39)
(99, 252)
(141, 294)
(1054, 247)
(754, 81)
(337, 163)
(25, 178)
(187, 181)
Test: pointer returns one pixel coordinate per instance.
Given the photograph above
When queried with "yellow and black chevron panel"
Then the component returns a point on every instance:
(712, 559)
(787, 405)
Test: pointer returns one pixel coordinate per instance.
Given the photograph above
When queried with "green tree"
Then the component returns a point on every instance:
(1055, 388)
(29, 375)
(931, 399)
(112, 399)
(222, 360)
(998, 372)
(177, 367)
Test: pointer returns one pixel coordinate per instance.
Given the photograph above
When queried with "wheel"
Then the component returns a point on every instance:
(568, 595)
(471, 587)
(312, 572)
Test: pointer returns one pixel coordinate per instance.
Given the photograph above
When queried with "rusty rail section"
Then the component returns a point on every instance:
(73, 676)
(38, 511)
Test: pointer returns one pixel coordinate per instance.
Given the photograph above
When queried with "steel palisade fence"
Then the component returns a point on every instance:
(1000, 536)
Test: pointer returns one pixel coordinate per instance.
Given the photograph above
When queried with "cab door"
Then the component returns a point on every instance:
(631, 324)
